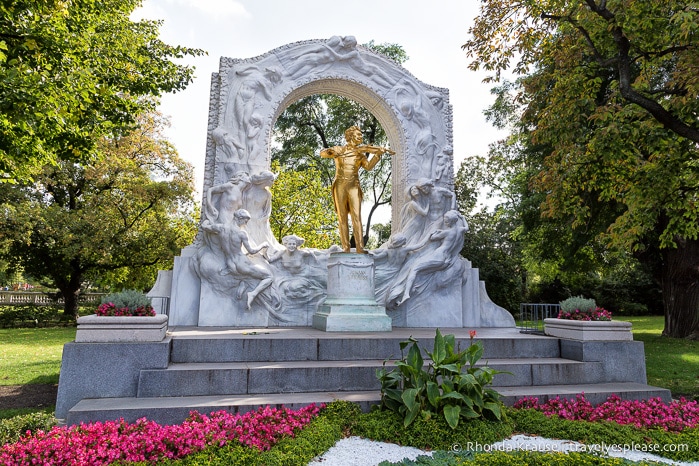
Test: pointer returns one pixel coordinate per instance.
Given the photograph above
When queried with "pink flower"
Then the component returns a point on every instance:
(653, 413)
(145, 441)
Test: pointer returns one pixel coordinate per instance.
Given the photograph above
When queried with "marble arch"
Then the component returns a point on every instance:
(423, 283)
(248, 95)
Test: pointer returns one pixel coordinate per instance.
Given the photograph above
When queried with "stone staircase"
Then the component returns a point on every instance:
(241, 369)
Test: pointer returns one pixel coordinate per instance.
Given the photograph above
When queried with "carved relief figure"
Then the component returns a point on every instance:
(388, 261)
(232, 238)
(442, 166)
(298, 277)
(317, 60)
(439, 201)
(426, 145)
(446, 245)
(413, 215)
(291, 258)
(257, 200)
(230, 198)
(254, 86)
(227, 148)
(346, 190)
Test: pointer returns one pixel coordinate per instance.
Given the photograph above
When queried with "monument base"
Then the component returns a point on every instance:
(351, 317)
(351, 303)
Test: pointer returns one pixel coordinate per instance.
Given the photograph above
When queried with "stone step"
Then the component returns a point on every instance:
(199, 345)
(201, 379)
(172, 410)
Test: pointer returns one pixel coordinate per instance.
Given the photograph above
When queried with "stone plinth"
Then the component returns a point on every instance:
(95, 328)
(351, 305)
(588, 330)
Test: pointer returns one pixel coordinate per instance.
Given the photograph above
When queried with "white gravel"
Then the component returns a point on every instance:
(356, 451)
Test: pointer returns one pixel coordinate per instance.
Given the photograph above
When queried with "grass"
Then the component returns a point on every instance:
(671, 363)
(32, 355)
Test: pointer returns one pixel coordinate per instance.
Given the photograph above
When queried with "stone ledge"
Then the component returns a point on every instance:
(588, 330)
(101, 329)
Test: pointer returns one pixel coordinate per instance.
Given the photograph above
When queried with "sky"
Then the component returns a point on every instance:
(431, 33)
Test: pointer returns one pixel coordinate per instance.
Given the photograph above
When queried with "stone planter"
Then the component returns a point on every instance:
(92, 329)
(588, 330)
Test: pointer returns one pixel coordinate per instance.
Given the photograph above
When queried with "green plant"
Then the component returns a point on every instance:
(125, 303)
(12, 428)
(428, 432)
(445, 387)
(131, 299)
(578, 303)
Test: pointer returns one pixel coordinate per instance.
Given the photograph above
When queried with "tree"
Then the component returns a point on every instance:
(530, 258)
(302, 205)
(318, 121)
(610, 89)
(73, 71)
(128, 211)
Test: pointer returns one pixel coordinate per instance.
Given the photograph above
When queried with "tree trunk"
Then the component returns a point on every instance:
(680, 285)
(70, 306)
(70, 290)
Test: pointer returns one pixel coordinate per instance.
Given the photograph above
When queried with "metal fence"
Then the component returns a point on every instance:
(532, 315)
(43, 299)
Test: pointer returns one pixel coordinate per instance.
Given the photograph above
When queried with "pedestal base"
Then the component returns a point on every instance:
(349, 317)
(351, 305)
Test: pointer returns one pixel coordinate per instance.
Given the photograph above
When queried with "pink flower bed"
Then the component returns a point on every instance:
(652, 413)
(103, 443)
(110, 309)
(599, 314)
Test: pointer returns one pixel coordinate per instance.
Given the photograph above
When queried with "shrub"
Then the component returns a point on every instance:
(429, 432)
(13, 428)
(444, 388)
(125, 303)
(578, 303)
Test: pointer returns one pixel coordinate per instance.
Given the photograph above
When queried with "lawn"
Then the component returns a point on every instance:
(670, 362)
(32, 355)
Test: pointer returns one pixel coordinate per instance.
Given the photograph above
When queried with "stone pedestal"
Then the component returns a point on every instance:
(112, 329)
(351, 304)
(588, 330)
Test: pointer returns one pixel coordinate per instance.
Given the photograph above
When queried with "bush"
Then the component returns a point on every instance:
(578, 303)
(445, 388)
(13, 428)
(35, 315)
(125, 303)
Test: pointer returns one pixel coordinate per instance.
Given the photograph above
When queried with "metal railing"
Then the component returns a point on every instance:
(43, 299)
(532, 315)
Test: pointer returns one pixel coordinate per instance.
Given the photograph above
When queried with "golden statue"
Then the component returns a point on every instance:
(347, 193)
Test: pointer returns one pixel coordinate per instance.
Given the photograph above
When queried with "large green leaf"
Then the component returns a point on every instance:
(493, 408)
(474, 353)
(409, 398)
(415, 360)
(439, 351)
(451, 414)
(432, 390)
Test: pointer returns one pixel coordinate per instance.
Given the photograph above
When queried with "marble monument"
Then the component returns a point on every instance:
(238, 274)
